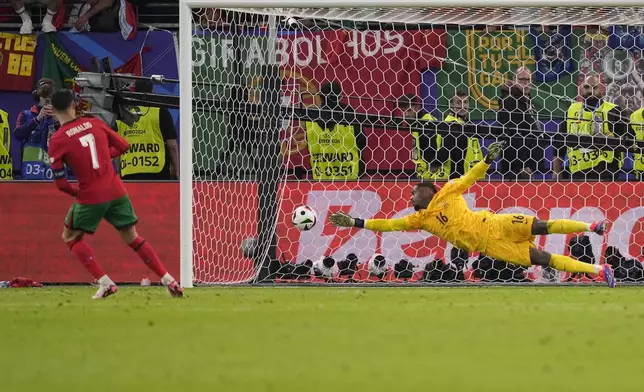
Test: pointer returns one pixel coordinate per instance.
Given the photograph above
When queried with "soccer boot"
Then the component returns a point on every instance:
(606, 273)
(105, 291)
(599, 227)
(175, 290)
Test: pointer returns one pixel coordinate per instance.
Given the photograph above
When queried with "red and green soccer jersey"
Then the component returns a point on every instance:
(88, 145)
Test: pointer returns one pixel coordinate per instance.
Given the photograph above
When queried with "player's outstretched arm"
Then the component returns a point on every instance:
(478, 171)
(341, 219)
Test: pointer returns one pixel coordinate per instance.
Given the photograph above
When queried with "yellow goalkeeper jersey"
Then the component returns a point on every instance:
(447, 216)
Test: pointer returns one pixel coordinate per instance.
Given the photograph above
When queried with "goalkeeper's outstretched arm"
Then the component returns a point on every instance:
(414, 221)
(478, 171)
(343, 220)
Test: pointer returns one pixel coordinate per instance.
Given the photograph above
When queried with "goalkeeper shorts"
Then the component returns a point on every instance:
(511, 238)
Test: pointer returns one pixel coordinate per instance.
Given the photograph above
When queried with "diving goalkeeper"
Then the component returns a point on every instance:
(506, 237)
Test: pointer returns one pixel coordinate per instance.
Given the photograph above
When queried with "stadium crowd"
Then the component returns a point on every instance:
(80, 15)
(154, 154)
(445, 156)
(335, 147)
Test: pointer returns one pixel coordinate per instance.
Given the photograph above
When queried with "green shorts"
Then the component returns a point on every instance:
(86, 217)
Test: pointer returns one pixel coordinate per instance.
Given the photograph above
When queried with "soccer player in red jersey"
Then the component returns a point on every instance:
(88, 145)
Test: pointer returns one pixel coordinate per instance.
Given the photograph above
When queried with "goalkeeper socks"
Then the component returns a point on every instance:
(565, 263)
(567, 226)
(86, 256)
(149, 256)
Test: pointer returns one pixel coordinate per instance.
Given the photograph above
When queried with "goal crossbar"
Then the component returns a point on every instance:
(408, 3)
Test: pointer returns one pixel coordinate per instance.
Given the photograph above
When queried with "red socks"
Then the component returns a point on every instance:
(86, 256)
(148, 255)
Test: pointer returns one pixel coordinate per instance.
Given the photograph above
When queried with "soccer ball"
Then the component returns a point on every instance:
(304, 218)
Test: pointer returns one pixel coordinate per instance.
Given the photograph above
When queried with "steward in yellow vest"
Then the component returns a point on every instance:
(6, 162)
(334, 149)
(456, 152)
(425, 146)
(587, 163)
(592, 117)
(637, 124)
(424, 152)
(471, 149)
(153, 152)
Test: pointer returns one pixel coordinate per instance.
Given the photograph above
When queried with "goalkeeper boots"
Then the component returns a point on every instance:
(105, 291)
(606, 273)
(599, 227)
(175, 290)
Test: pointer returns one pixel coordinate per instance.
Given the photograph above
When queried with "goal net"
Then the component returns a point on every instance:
(346, 109)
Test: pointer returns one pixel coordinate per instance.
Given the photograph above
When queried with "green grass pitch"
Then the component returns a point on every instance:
(323, 339)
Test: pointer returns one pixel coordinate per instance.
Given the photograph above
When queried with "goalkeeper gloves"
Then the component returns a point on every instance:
(340, 219)
(493, 151)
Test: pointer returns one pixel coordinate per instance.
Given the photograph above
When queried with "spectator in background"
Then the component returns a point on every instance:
(592, 116)
(464, 152)
(47, 25)
(335, 149)
(96, 15)
(516, 114)
(425, 146)
(34, 128)
(105, 16)
(629, 99)
(153, 152)
(412, 109)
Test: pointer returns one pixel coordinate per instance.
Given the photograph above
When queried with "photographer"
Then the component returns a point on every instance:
(34, 128)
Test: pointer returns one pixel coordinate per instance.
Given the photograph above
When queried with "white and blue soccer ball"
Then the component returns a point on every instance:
(304, 218)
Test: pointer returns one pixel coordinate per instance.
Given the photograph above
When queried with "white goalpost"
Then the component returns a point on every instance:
(256, 82)
(185, 153)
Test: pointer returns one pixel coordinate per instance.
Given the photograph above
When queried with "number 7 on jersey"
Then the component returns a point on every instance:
(89, 141)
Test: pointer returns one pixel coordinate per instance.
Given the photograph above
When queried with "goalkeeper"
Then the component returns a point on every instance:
(506, 237)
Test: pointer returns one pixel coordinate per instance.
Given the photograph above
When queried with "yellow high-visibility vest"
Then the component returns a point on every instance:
(422, 166)
(474, 153)
(334, 153)
(6, 162)
(586, 122)
(147, 147)
(637, 123)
